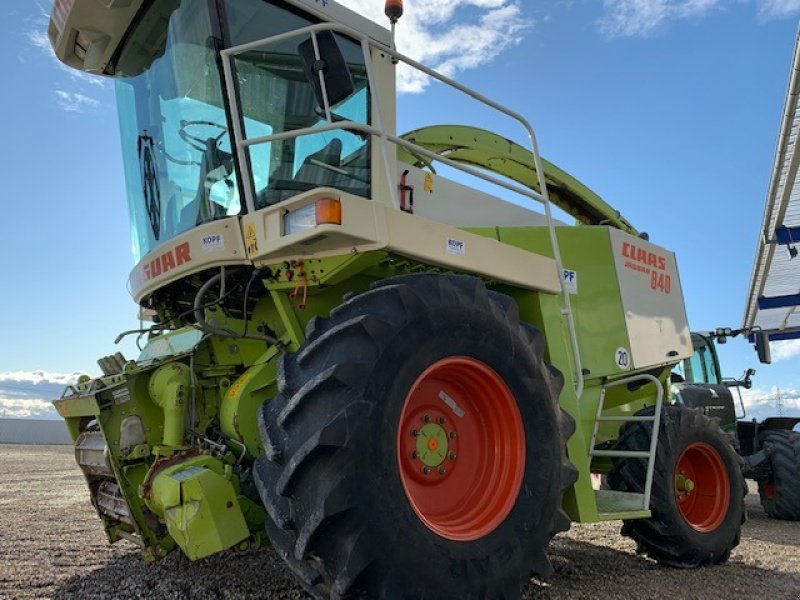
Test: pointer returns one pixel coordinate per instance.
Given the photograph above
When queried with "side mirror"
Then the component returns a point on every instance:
(762, 347)
(338, 80)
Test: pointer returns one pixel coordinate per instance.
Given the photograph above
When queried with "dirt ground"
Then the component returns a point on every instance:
(52, 546)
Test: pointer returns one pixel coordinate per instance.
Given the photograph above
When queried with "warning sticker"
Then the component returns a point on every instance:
(428, 184)
(250, 239)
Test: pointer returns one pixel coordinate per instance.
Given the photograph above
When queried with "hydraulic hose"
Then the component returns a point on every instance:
(207, 327)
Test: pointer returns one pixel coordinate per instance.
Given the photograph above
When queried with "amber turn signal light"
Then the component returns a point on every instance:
(329, 211)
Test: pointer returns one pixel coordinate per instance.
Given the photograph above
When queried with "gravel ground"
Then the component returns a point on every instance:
(52, 546)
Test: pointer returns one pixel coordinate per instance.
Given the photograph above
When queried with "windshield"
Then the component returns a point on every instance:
(700, 367)
(179, 166)
(176, 149)
(275, 96)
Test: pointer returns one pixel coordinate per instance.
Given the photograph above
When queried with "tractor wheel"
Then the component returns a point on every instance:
(697, 500)
(416, 448)
(780, 494)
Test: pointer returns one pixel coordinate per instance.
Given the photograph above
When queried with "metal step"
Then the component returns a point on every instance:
(629, 418)
(611, 501)
(620, 453)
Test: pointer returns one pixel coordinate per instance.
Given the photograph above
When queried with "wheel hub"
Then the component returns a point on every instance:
(683, 484)
(432, 445)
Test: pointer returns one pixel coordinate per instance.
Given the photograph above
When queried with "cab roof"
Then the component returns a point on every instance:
(86, 34)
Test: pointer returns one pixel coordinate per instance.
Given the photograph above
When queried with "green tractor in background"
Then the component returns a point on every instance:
(770, 448)
(401, 383)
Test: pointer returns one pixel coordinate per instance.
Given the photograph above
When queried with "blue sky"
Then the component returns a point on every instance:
(667, 108)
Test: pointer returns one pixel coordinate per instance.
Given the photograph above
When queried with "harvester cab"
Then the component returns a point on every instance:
(403, 383)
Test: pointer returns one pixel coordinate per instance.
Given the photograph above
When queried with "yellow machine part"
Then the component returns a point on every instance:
(198, 501)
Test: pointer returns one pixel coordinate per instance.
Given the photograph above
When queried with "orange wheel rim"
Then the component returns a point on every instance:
(461, 449)
(702, 487)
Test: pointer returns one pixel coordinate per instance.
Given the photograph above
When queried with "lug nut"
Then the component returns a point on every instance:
(442, 420)
(426, 470)
(414, 432)
(414, 454)
(452, 456)
(442, 470)
(452, 435)
(426, 418)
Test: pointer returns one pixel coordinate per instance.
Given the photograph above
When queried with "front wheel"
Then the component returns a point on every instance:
(697, 500)
(780, 492)
(416, 448)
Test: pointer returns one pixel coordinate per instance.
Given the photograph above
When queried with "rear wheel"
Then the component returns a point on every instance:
(780, 493)
(416, 448)
(697, 500)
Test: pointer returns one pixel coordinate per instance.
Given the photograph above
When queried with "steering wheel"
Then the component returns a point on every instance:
(196, 142)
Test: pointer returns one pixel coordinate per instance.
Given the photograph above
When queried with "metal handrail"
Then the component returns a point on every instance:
(379, 131)
(352, 125)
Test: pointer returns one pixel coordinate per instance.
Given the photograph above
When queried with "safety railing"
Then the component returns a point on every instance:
(378, 130)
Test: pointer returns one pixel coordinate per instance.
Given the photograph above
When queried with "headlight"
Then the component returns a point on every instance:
(323, 211)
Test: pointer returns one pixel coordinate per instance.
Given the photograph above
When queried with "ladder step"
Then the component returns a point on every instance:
(629, 418)
(611, 501)
(620, 453)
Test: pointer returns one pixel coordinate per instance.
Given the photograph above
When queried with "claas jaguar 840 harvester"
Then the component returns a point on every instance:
(401, 383)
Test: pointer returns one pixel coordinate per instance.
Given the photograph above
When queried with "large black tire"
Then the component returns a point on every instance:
(337, 511)
(780, 494)
(668, 536)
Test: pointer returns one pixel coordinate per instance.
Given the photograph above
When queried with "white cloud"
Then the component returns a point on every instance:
(761, 403)
(784, 350)
(75, 102)
(431, 32)
(778, 9)
(39, 377)
(38, 39)
(640, 18)
(25, 394)
(26, 408)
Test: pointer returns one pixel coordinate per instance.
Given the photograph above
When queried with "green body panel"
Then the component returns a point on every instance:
(244, 398)
(198, 501)
(599, 316)
(487, 150)
(544, 312)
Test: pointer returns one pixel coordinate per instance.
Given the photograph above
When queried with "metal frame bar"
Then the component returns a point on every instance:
(770, 302)
(790, 158)
(228, 56)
